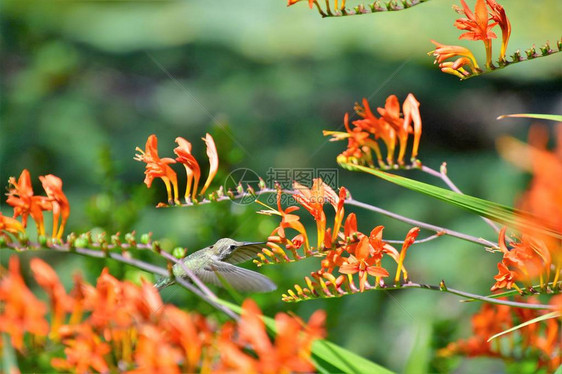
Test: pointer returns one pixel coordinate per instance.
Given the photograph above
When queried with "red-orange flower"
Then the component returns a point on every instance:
(192, 169)
(213, 161)
(363, 263)
(363, 137)
(289, 220)
(61, 208)
(60, 302)
(21, 198)
(289, 353)
(84, 350)
(505, 278)
(313, 201)
(158, 168)
(477, 26)
(464, 59)
(10, 225)
(497, 12)
(21, 311)
(410, 239)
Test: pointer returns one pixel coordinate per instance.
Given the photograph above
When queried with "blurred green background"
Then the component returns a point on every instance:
(85, 82)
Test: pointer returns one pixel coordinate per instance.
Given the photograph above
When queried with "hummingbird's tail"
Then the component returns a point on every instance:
(163, 282)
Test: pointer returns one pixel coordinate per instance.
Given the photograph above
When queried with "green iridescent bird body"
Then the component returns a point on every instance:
(215, 264)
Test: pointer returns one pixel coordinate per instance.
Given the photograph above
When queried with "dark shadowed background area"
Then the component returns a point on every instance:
(85, 82)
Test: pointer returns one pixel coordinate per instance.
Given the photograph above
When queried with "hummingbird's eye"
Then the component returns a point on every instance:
(232, 247)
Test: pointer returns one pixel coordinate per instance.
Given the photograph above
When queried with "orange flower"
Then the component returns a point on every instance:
(61, 208)
(378, 127)
(158, 168)
(213, 161)
(289, 353)
(358, 144)
(310, 2)
(60, 302)
(527, 259)
(477, 26)
(21, 312)
(10, 225)
(84, 351)
(411, 109)
(362, 139)
(498, 15)
(192, 169)
(402, 126)
(289, 220)
(21, 198)
(313, 201)
(505, 278)
(465, 59)
(363, 263)
(410, 239)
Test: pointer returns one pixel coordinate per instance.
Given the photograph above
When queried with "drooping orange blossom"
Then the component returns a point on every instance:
(25, 203)
(158, 168)
(57, 199)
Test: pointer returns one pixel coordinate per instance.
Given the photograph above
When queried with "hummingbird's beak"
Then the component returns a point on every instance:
(248, 244)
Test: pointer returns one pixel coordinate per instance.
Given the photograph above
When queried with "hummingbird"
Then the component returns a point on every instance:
(219, 259)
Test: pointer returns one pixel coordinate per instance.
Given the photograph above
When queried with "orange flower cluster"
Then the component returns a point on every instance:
(290, 352)
(157, 167)
(119, 326)
(478, 26)
(538, 342)
(25, 203)
(390, 127)
(524, 261)
(532, 257)
(345, 249)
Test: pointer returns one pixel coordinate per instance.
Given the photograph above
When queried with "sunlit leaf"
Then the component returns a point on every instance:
(497, 212)
(529, 322)
(548, 117)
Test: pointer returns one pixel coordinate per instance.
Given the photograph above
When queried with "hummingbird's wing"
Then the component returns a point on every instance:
(240, 279)
(243, 253)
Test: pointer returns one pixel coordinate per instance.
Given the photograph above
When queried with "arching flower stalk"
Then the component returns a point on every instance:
(374, 6)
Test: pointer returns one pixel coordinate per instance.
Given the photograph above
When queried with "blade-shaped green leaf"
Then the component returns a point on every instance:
(548, 117)
(529, 322)
(497, 212)
(327, 355)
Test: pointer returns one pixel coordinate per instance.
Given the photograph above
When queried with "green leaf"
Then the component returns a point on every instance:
(328, 356)
(548, 117)
(529, 322)
(9, 361)
(418, 360)
(497, 212)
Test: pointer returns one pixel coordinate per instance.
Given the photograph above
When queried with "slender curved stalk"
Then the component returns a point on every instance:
(445, 178)
(350, 201)
(423, 225)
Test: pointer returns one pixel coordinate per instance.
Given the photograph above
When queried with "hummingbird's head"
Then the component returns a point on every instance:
(226, 246)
